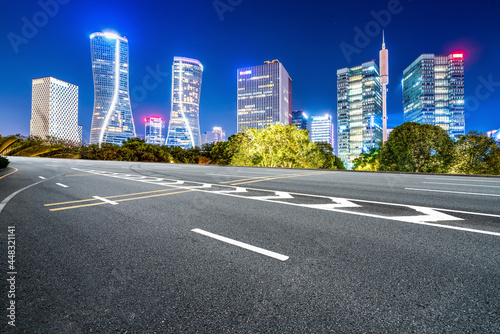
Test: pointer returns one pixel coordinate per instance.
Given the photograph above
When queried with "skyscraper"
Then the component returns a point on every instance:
(264, 96)
(359, 111)
(322, 130)
(384, 81)
(112, 120)
(214, 136)
(299, 119)
(184, 126)
(155, 130)
(433, 92)
(54, 110)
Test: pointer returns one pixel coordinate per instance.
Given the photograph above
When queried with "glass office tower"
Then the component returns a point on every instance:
(433, 92)
(154, 130)
(54, 110)
(112, 120)
(322, 130)
(359, 111)
(264, 96)
(299, 119)
(184, 126)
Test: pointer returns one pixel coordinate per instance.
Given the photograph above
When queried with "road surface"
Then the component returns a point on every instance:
(127, 247)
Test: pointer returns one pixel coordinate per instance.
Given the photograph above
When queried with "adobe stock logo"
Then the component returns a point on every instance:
(40, 19)
(222, 6)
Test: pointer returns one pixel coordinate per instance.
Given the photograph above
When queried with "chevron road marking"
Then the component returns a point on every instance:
(423, 215)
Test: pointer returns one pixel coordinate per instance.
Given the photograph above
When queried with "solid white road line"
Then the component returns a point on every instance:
(105, 200)
(42, 177)
(452, 192)
(463, 184)
(62, 185)
(242, 245)
(463, 179)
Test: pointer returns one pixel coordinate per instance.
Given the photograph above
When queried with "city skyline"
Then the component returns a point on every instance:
(218, 45)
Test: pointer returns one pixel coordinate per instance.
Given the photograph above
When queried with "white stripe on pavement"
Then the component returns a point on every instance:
(242, 245)
(105, 200)
(463, 184)
(42, 177)
(62, 185)
(463, 179)
(452, 192)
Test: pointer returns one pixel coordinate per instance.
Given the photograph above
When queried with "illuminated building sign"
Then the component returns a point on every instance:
(246, 72)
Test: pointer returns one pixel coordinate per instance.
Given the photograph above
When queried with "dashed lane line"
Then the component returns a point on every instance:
(242, 245)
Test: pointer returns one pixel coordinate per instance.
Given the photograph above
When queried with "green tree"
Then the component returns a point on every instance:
(4, 162)
(414, 147)
(331, 161)
(368, 161)
(278, 146)
(475, 153)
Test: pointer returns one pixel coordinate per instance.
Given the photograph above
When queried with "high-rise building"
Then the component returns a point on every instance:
(214, 136)
(384, 81)
(322, 130)
(112, 120)
(433, 92)
(495, 134)
(54, 110)
(155, 130)
(264, 96)
(299, 119)
(359, 111)
(184, 126)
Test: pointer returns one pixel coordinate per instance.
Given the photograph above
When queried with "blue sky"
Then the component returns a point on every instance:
(309, 38)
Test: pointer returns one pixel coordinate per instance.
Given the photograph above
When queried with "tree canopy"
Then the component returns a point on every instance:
(414, 147)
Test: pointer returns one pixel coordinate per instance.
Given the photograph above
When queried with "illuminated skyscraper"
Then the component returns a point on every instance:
(184, 126)
(112, 120)
(155, 130)
(433, 92)
(264, 96)
(299, 119)
(359, 111)
(54, 110)
(322, 130)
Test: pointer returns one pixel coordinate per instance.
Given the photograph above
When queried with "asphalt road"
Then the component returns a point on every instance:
(123, 247)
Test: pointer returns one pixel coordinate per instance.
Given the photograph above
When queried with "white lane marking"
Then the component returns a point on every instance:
(62, 185)
(452, 192)
(42, 177)
(468, 212)
(105, 200)
(463, 184)
(432, 216)
(242, 245)
(236, 176)
(279, 195)
(8, 198)
(474, 179)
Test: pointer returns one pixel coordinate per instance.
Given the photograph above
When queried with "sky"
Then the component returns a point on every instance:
(312, 39)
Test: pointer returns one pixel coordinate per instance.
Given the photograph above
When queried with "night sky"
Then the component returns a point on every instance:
(304, 35)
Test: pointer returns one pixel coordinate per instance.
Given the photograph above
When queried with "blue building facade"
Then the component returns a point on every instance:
(112, 120)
